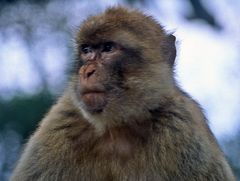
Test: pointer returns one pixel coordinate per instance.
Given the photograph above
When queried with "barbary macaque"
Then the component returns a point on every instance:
(123, 117)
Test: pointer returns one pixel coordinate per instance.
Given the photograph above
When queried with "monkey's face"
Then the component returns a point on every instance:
(103, 73)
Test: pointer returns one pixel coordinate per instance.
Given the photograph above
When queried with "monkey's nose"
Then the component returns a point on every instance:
(89, 71)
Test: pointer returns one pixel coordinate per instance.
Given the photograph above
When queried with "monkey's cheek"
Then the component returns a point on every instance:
(94, 102)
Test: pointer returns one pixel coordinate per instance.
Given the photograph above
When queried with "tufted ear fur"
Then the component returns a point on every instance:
(171, 49)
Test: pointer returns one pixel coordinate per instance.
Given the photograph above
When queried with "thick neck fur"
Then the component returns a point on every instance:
(116, 133)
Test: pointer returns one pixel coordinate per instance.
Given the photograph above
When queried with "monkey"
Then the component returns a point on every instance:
(123, 117)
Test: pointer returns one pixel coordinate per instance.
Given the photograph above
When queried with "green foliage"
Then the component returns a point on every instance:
(231, 147)
(23, 113)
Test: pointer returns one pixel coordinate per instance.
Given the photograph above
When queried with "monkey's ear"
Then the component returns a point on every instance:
(171, 48)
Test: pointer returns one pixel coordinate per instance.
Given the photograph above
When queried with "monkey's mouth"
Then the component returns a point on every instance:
(92, 91)
(94, 100)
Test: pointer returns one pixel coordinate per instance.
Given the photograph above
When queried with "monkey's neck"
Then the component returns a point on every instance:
(121, 142)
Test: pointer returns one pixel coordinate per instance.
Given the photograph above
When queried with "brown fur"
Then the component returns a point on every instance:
(150, 130)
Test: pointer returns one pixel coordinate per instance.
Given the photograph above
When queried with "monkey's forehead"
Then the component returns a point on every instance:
(119, 21)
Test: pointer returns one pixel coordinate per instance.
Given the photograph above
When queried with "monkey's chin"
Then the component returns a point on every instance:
(94, 102)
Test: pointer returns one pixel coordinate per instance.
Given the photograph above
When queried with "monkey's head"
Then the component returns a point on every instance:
(124, 65)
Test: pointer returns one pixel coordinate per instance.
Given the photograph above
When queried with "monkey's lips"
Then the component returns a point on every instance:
(94, 100)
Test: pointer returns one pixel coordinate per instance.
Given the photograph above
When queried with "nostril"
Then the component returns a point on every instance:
(89, 73)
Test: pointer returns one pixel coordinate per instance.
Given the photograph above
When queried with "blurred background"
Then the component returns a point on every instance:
(36, 52)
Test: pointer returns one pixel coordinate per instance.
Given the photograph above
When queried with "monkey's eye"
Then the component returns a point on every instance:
(108, 47)
(86, 48)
